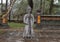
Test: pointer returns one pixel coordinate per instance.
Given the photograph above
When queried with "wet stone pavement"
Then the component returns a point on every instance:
(16, 36)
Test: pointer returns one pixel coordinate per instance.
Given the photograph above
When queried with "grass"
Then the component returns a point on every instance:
(15, 25)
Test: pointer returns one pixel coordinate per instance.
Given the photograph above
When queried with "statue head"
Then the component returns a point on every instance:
(28, 9)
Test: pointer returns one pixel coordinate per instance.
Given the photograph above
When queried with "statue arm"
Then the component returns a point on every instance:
(33, 18)
(24, 20)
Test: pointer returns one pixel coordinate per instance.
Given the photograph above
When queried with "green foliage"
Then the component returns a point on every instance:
(16, 25)
(22, 6)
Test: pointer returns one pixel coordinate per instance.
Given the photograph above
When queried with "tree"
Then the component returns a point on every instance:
(30, 2)
(1, 5)
(51, 7)
(6, 4)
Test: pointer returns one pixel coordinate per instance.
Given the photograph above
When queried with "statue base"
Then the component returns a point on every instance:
(28, 35)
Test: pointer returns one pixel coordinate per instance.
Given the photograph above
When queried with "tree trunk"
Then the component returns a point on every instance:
(51, 7)
(1, 6)
(10, 11)
(6, 4)
(30, 2)
(10, 8)
(41, 6)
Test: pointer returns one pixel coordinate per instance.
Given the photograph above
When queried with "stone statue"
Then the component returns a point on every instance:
(29, 21)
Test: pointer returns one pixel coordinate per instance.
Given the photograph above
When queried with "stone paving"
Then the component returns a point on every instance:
(45, 36)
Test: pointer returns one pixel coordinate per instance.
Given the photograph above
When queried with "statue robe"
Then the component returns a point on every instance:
(26, 21)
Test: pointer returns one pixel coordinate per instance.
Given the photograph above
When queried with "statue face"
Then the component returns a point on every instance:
(28, 9)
